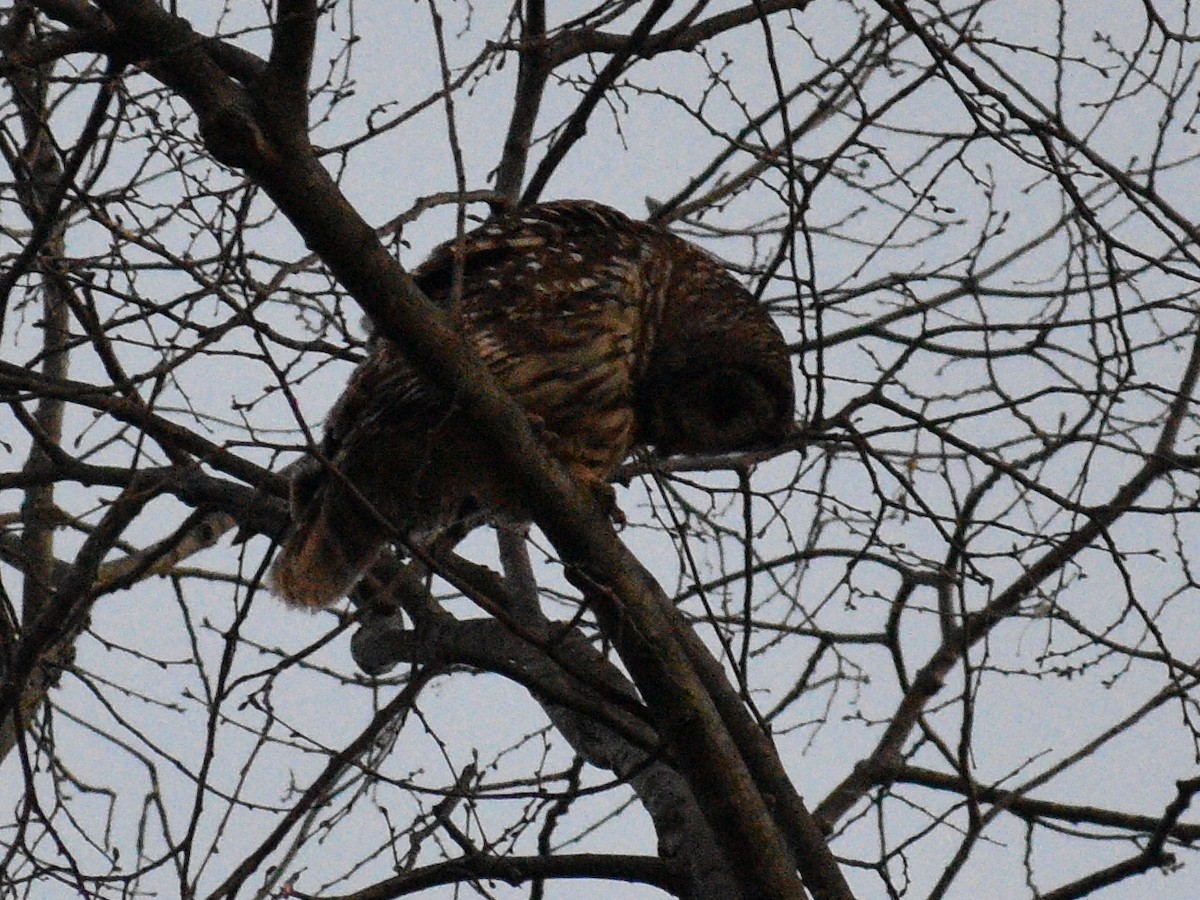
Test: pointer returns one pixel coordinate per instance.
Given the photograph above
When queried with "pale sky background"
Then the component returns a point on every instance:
(656, 152)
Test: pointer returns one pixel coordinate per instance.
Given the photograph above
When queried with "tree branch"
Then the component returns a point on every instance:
(46, 642)
(685, 36)
(576, 125)
(516, 870)
(977, 625)
(290, 64)
(533, 69)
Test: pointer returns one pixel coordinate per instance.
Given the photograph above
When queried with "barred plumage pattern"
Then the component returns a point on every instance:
(607, 331)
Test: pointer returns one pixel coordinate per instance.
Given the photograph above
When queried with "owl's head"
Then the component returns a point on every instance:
(718, 379)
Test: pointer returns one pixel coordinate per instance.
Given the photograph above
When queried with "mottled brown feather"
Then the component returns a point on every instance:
(605, 330)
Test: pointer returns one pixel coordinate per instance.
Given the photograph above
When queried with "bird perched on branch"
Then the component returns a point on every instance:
(608, 332)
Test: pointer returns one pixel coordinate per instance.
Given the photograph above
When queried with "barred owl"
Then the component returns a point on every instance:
(607, 331)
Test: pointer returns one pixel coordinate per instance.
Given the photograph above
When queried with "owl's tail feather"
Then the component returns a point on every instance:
(325, 555)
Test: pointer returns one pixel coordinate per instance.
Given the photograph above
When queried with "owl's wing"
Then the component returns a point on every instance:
(380, 388)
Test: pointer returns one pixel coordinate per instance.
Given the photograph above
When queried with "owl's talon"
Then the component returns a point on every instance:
(606, 497)
(617, 516)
